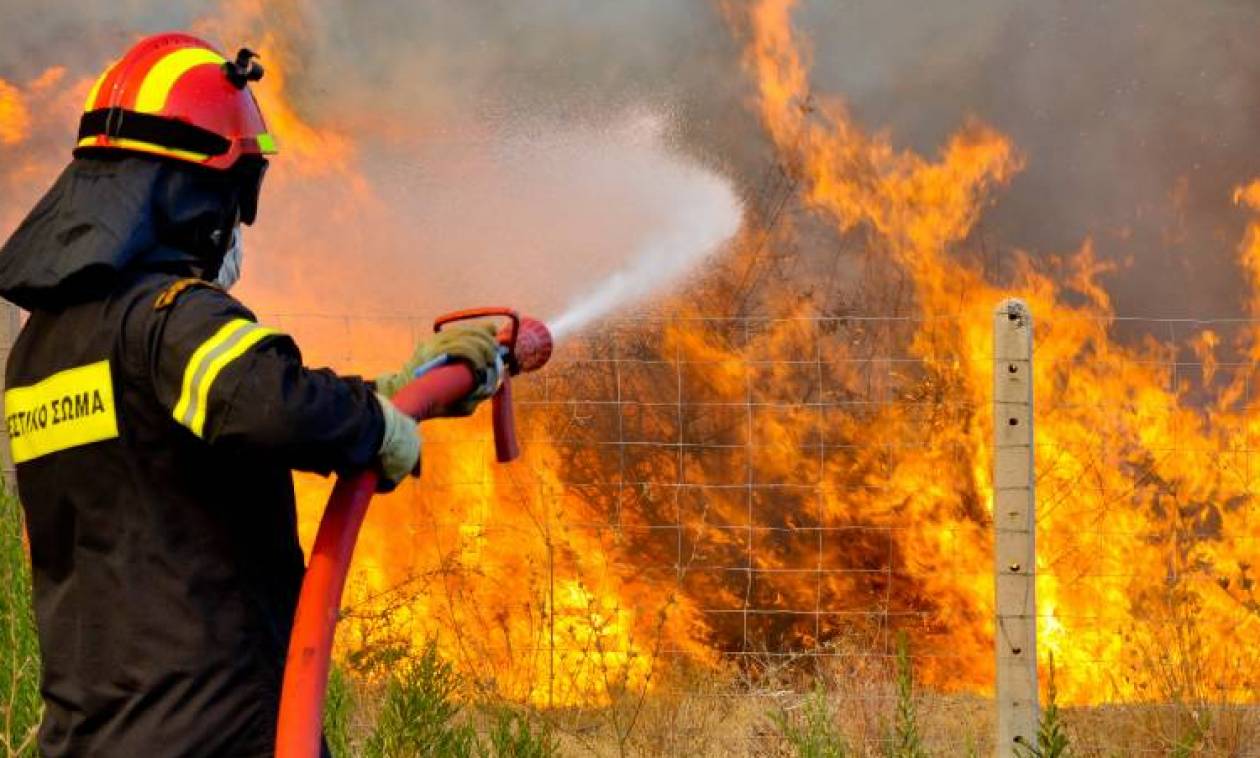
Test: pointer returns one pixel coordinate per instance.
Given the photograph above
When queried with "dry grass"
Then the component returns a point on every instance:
(753, 708)
(724, 722)
(1162, 729)
(690, 710)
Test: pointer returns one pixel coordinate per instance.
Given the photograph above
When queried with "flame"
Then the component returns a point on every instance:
(37, 119)
(15, 120)
(813, 477)
(476, 556)
(310, 148)
(1144, 508)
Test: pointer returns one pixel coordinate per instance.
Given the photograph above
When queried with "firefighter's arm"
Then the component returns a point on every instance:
(232, 381)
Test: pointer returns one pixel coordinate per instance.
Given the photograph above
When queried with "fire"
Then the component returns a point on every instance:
(1144, 508)
(733, 485)
(15, 120)
(476, 556)
(313, 149)
(29, 137)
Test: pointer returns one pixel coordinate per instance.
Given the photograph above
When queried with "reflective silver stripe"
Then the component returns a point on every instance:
(225, 346)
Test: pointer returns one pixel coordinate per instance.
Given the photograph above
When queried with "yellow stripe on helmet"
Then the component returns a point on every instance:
(161, 79)
(90, 104)
(205, 365)
(122, 143)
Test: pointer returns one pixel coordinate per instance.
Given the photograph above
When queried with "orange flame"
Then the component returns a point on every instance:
(1144, 519)
(848, 484)
(15, 120)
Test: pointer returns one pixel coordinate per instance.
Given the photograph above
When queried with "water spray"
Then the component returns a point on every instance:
(525, 345)
(710, 215)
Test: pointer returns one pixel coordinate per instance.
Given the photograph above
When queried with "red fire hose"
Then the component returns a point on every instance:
(525, 346)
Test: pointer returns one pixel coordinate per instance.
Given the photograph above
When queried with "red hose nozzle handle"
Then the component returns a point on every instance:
(528, 340)
(528, 344)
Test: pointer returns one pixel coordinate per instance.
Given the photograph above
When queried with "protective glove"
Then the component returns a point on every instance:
(399, 454)
(474, 344)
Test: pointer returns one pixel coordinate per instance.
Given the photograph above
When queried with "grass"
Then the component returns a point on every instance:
(813, 732)
(906, 742)
(338, 710)
(850, 702)
(417, 711)
(418, 708)
(1052, 738)
(385, 701)
(20, 705)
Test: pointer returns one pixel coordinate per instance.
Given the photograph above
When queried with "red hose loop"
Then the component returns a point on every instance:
(314, 624)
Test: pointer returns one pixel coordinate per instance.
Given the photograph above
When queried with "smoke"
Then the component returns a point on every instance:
(1136, 119)
(486, 132)
(567, 215)
(495, 156)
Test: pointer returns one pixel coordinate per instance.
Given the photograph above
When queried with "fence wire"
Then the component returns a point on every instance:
(783, 498)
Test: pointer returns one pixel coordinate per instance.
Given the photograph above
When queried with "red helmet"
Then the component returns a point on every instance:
(173, 95)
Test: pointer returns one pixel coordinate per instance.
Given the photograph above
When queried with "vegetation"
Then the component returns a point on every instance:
(388, 701)
(813, 732)
(338, 708)
(418, 710)
(20, 704)
(1052, 739)
(906, 742)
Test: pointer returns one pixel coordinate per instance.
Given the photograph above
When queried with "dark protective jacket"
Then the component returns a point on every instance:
(154, 425)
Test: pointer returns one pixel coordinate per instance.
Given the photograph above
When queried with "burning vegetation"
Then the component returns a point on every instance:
(746, 475)
(770, 463)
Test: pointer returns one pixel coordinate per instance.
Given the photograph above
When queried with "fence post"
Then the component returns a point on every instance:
(1013, 522)
(10, 323)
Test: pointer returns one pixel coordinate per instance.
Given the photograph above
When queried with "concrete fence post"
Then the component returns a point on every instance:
(10, 323)
(1014, 526)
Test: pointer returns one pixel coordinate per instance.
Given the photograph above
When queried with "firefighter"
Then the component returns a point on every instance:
(154, 423)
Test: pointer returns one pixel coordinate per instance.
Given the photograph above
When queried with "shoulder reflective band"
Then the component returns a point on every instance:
(227, 344)
(68, 409)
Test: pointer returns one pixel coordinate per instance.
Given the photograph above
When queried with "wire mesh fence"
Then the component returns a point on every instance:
(784, 498)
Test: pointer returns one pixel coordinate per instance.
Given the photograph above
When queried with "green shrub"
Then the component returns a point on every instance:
(814, 733)
(339, 704)
(418, 712)
(1052, 739)
(905, 741)
(1191, 743)
(20, 703)
(512, 735)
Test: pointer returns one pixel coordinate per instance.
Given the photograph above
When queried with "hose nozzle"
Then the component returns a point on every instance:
(527, 344)
(530, 348)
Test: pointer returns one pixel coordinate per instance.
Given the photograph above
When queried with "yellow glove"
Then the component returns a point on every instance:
(399, 454)
(474, 344)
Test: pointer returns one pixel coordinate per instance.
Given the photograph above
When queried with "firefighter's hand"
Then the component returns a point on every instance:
(399, 454)
(474, 344)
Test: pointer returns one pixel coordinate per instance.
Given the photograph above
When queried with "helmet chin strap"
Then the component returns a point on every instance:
(230, 269)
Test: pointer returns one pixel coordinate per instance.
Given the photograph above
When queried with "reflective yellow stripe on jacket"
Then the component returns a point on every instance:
(205, 365)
